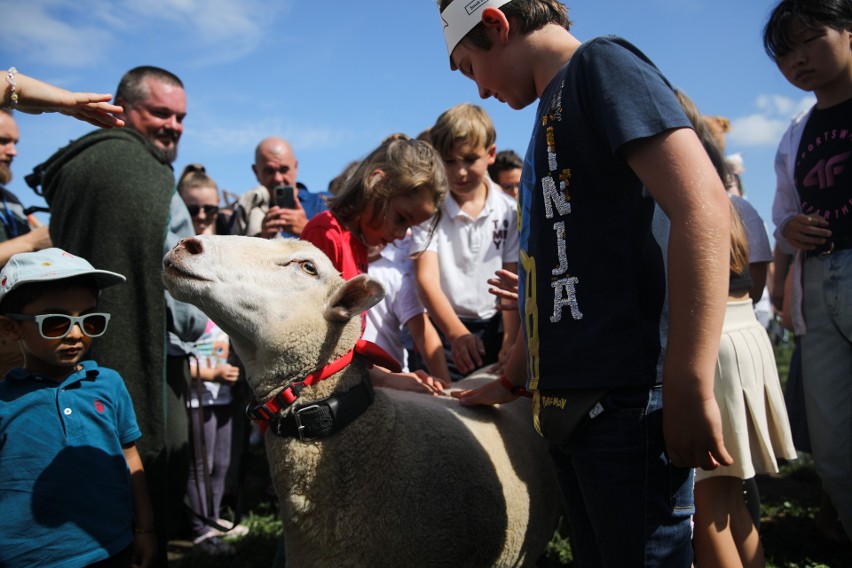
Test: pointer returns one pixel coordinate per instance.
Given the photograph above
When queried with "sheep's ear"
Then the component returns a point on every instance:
(355, 296)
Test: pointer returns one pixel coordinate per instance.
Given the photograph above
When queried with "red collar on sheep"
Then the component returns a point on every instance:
(370, 351)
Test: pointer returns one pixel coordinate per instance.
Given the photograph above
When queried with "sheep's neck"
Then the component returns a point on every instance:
(287, 397)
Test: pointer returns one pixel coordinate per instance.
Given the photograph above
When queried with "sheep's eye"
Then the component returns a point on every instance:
(309, 267)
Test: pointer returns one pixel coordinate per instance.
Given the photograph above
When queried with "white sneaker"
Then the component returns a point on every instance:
(239, 530)
(213, 546)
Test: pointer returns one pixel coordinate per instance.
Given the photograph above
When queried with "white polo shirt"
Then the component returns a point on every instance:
(400, 304)
(471, 250)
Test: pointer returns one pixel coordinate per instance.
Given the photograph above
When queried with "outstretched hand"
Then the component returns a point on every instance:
(37, 97)
(489, 394)
(418, 381)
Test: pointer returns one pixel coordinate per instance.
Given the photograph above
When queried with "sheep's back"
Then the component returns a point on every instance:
(430, 481)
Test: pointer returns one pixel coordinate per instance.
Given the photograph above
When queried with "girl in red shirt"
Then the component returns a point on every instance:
(401, 183)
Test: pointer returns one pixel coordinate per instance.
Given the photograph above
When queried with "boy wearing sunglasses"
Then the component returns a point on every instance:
(72, 486)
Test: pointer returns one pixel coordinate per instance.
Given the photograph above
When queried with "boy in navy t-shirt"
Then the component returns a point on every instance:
(610, 139)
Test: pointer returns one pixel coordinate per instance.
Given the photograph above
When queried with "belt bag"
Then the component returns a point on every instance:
(559, 415)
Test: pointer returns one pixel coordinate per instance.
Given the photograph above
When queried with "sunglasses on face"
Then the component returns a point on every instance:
(209, 210)
(57, 326)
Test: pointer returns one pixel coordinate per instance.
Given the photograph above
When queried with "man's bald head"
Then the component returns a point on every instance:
(274, 163)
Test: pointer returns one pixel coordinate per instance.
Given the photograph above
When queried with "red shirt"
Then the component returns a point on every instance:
(347, 253)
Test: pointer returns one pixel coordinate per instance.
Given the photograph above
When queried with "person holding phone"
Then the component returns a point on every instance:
(280, 204)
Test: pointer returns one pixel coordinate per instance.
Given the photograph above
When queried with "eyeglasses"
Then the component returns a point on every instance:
(209, 210)
(57, 326)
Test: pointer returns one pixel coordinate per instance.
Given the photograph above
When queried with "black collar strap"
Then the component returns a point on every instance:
(327, 416)
(287, 397)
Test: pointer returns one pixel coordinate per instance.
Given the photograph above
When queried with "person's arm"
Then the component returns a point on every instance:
(758, 272)
(144, 535)
(675, 169)
(37, 239)
(793, 229)
(222, 374)
(777, 286)
(428, 342)
(417, 381)
(495, 392)
(468, 350)
(511, 325)
(36, 97)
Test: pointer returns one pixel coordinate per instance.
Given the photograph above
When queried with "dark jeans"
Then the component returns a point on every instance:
(627, 504)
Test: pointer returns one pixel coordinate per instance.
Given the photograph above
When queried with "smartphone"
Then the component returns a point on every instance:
(283, 195)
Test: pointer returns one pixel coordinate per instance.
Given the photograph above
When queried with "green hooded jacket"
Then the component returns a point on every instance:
(109, 195)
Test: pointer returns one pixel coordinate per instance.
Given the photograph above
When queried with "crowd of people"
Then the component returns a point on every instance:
(611, 275)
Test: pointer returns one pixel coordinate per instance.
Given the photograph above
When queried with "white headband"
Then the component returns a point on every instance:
(461, 16)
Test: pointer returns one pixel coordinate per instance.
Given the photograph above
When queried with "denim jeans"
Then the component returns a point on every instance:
(827, 374)
(627, 504)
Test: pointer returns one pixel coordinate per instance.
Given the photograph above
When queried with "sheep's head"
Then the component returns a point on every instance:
(282, 302)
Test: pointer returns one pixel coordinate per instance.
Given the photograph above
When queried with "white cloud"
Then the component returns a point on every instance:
(765, 128)
(81, 33)
(231, 29)
(757, 130)
(44, 35)
(246, 137)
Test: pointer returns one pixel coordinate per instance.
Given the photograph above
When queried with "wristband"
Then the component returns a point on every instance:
(517, 391)
(10, 78)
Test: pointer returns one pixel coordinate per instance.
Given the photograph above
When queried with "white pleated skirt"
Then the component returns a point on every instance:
(754, 417)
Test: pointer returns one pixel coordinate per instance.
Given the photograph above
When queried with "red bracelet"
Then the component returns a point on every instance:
(517, 391)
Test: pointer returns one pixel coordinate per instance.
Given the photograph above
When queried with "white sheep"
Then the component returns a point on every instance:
(416, 480)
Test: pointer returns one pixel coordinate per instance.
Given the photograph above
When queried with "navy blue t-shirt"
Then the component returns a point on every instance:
(592, 280)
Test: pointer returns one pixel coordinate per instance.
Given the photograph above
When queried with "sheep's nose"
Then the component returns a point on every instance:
(192, 245)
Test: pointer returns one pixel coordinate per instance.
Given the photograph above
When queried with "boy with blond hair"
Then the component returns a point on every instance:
(610, 139)
(475, 236)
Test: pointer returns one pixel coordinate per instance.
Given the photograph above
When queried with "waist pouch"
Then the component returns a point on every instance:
(558, 415)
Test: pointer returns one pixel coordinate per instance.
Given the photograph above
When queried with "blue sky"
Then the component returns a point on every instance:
(334, 78)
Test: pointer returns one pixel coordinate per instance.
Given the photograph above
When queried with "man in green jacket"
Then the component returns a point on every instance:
(109, 193)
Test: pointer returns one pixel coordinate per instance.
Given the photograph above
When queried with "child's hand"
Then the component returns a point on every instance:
(488, 394)
(418, 381)
(468, 351)
(227, 374)
(806, 232)
(144, 550)
(505, 287)
(443, 385)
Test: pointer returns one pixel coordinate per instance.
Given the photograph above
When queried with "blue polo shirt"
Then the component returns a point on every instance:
(64, 483)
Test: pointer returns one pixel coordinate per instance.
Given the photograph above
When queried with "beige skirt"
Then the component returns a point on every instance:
(754, 418)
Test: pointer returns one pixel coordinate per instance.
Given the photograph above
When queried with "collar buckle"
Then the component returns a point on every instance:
(300, 428)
